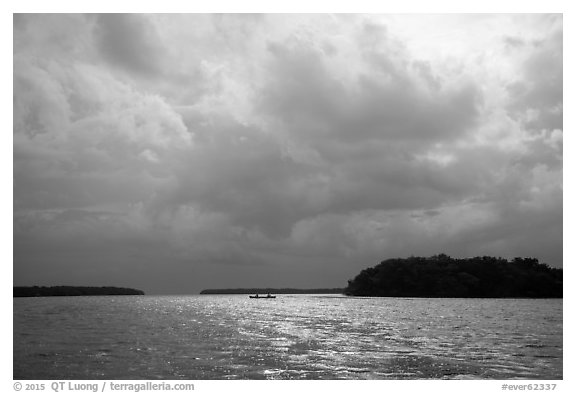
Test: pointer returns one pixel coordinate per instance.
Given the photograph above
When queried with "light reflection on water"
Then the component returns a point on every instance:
(290, 337)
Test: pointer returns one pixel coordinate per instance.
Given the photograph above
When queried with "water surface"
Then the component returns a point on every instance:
(290, 337)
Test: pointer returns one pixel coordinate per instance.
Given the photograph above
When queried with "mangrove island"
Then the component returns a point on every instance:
(73, 291)
(443, 276)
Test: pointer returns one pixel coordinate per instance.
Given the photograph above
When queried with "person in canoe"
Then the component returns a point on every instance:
(257, 296)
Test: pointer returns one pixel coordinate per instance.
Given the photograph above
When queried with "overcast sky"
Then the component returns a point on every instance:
(173, 153)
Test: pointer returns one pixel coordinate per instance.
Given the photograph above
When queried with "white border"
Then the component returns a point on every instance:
(356, 6)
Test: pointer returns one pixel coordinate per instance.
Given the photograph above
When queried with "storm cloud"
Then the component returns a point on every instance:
(177, 152)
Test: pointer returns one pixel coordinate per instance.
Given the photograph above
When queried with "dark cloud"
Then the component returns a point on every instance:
(256, 150)
(514, 42)
(397, 104)
(130, 41)
(64, 36)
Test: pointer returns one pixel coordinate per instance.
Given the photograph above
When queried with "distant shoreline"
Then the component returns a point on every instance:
(281, 291)
(36, 291)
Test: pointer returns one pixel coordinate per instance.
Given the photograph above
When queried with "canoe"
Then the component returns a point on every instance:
(262, 297)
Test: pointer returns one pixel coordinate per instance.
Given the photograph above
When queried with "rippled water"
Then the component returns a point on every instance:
(290, 337)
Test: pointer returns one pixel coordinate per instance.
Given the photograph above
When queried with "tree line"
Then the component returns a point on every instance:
(244, 291)
(73, 291)
(443, 276)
